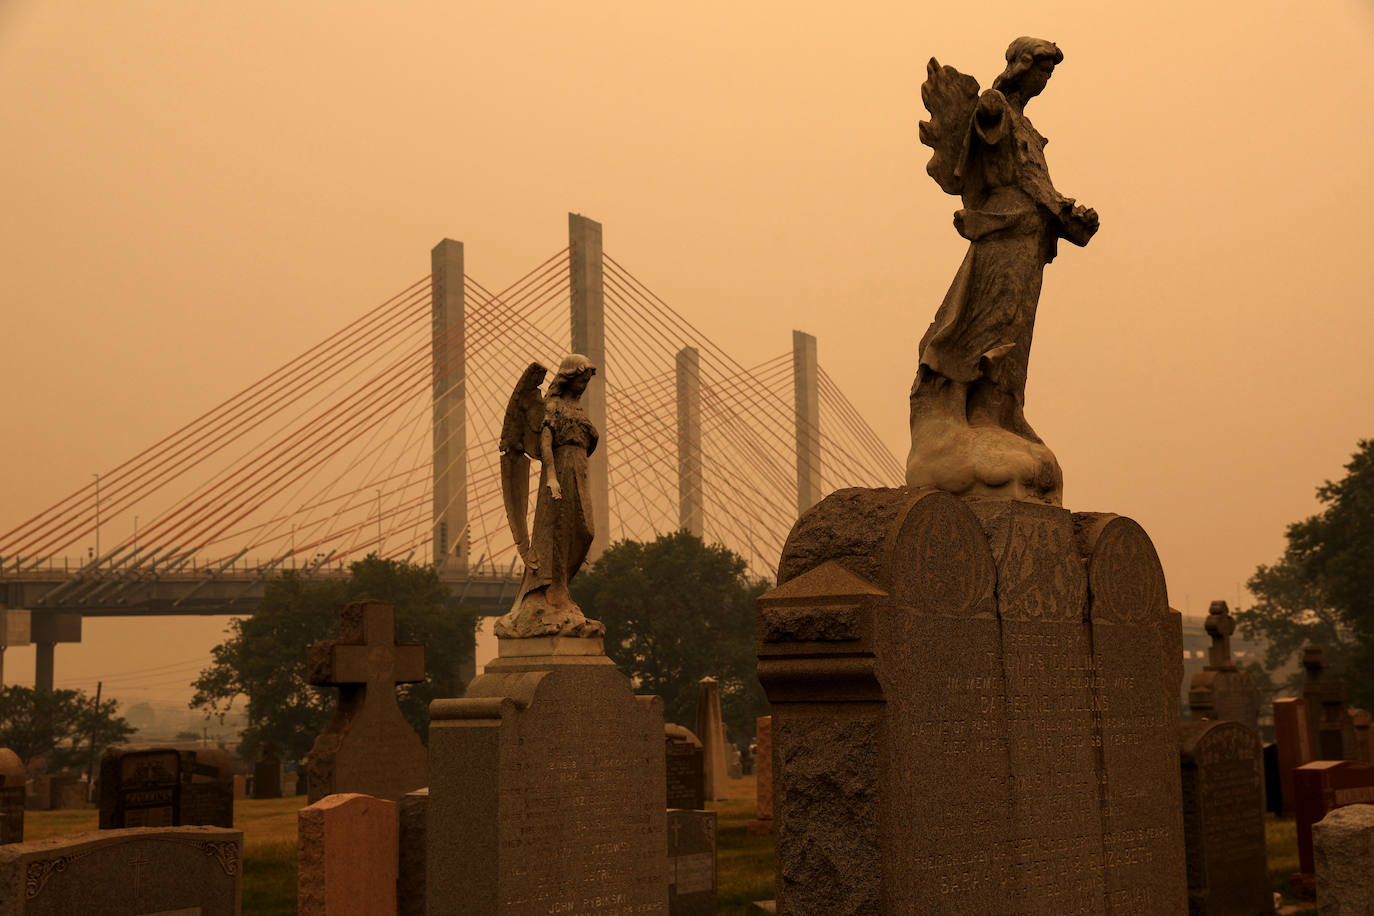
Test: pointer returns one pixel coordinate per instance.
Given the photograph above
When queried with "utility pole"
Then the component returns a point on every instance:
(95, 724)
(379, 523)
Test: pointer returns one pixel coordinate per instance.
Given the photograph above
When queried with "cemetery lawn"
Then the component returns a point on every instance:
(744, 863)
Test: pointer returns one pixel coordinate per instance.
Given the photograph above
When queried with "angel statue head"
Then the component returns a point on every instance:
(1030, 61)
(574, 372)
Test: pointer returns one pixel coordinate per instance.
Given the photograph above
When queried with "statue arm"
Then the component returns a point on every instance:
(546, 456)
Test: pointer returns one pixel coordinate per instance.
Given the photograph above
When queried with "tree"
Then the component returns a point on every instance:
(1322, 589)
(677, 610)
(263, 660)
(59, 725)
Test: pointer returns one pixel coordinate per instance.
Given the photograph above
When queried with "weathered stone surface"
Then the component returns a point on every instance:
(1364, 736)
(347, 854)
(763, 771)
(1221, 690)
(692, 863)
(682, 754)
(1333, 732)
(13, 781)
(1223, 820)
(207, 788)
(710, 731)
(140, 787)
(1321, 787)
(190, 870)
(1001, 736)
(547, 789)
(1293, 736)
(410, 867)
(368, 746)
(1344, 856)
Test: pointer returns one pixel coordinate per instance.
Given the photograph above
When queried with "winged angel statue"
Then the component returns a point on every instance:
(969, 434)
(554, 429)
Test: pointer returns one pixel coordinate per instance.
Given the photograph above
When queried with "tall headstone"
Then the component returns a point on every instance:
(710, 731)
(347, 853)
(1333, 732)
(1364, 738)
(195, 871)
(368, 747)
(546, 790)
(682, 756)
(13, 781)
(267, 773)
(1223, 819)
(1321, 787)
(763, 770)
(1294, 739)
(1221, 690)
(1343, 848)
(692, 863)
(973, 702)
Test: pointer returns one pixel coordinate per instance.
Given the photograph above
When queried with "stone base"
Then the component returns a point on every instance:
(973, 702)
(1303, 885)
(760, 827)
(547, 788)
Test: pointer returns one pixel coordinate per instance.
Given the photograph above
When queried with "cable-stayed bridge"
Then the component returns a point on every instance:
(382, 438)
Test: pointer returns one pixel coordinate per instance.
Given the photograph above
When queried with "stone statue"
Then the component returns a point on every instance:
(969, 434)
(556, 430)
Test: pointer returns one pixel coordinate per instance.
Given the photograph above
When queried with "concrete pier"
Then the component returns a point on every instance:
(589, 339)
(806, 389)
(448, 356)
(691, 508)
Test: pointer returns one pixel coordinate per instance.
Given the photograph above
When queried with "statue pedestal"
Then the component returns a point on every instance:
(973, 703)
(547, 788)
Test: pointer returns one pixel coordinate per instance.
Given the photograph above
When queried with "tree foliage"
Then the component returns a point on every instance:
(262, 661)
(59, 725)
(677, 610)
(1322, 589)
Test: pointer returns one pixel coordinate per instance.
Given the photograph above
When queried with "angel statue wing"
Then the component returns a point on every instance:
(519, 442)
(950, 97)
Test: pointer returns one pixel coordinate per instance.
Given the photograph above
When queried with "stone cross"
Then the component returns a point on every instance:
(1220, 626)
(1314, 663)
(368, 747)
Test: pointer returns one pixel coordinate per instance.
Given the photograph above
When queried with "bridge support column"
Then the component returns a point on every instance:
(448, 358)
(690, 505)
(589, 339)
(806, 389)
(43, 665)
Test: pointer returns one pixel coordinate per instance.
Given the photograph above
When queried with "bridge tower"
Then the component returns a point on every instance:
(589, 339)
(690, 499)
(806, 390)
(448, 357)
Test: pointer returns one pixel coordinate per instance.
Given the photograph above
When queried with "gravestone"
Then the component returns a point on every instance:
(710, 731)
(180, 871)
(692, 863)
(140, 787)
(1364, 739)
(973, 702)
(240, 786)
(734, 765)
(1273, 786)
(368, 746)
(267, 773)
(1223, 819)
(1294, 739)
(38, 795)
(68, 791)
(1333, 733)
(1221, 690)
(13, 783)
(207, 788)
(166, 787)
(682, 757)
(1343, 844)
(347, 854)
(410, 860)
(1321, 787)
(763, 768)
(546, 789)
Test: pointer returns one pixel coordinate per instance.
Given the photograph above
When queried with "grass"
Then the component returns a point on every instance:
(744, 863)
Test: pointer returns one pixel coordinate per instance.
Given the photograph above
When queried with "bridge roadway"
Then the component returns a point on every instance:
(140, 594)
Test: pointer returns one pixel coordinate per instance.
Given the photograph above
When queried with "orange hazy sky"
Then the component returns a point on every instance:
(194, 193)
